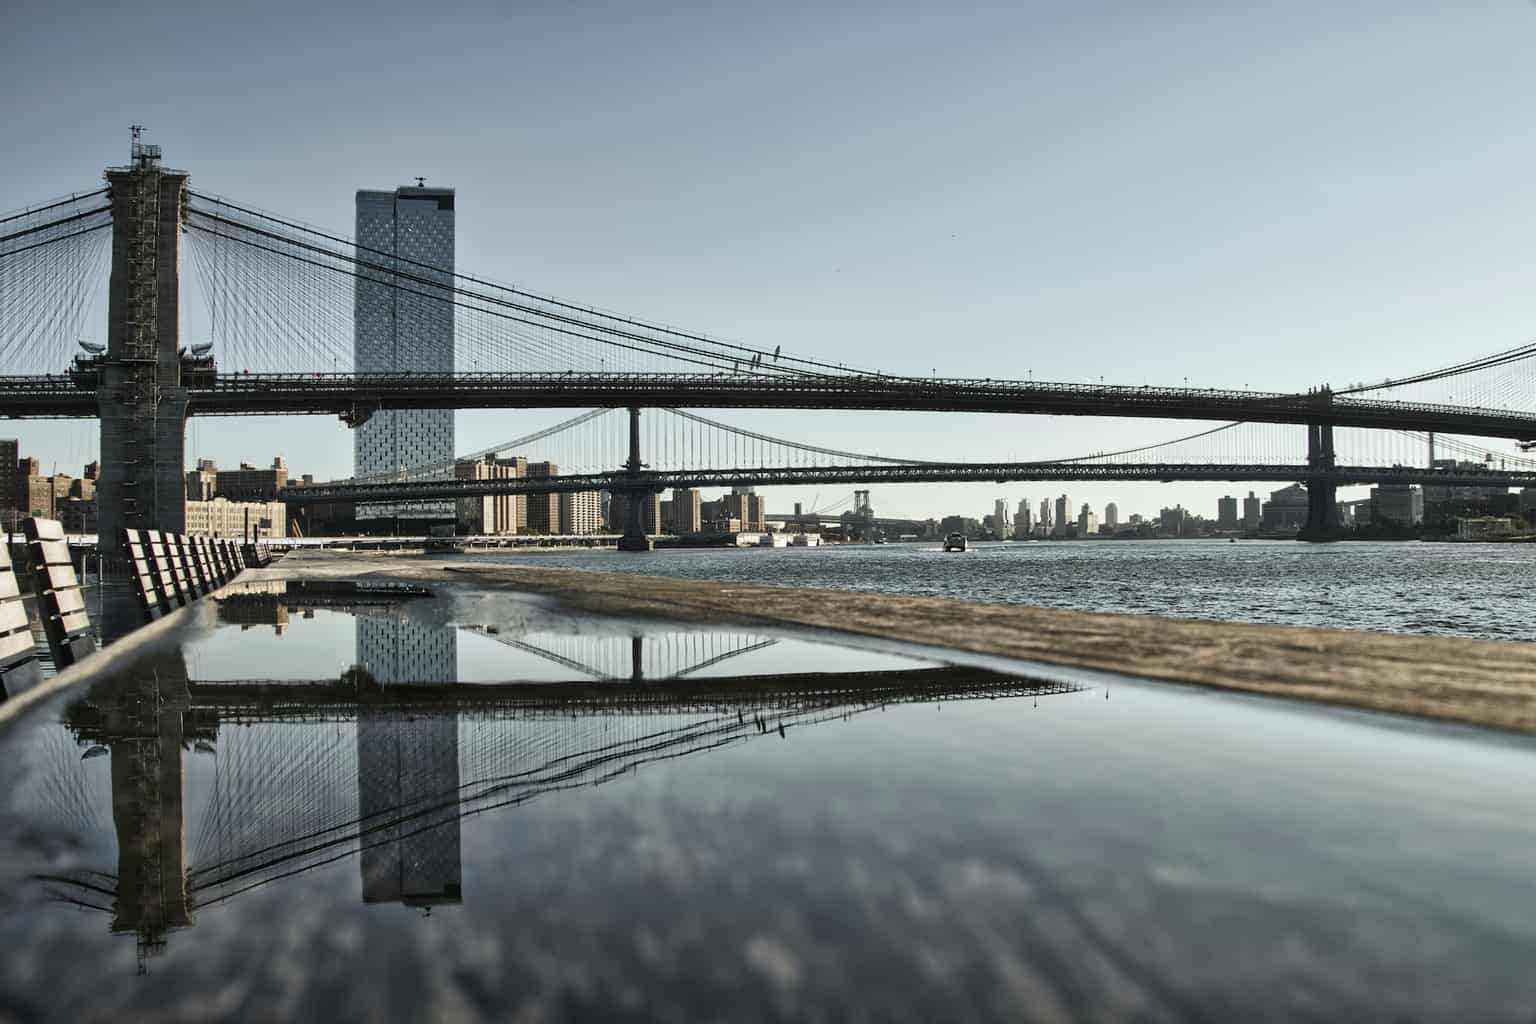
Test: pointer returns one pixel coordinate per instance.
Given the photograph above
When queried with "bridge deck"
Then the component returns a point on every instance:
(960, 472)
(354, 396)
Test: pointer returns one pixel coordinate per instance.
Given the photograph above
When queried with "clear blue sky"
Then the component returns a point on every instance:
(1269, 195)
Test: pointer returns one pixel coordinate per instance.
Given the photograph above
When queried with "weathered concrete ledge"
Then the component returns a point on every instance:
(1481, 682)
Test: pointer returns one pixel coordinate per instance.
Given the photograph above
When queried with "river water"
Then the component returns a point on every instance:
(1473, 590)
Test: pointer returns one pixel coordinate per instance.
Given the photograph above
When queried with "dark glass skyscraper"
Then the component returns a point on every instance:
(407, 329)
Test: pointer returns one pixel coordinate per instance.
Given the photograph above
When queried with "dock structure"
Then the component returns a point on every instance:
(1478, 682)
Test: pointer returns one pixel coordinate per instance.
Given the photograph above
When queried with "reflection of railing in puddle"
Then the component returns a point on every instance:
(285, 799)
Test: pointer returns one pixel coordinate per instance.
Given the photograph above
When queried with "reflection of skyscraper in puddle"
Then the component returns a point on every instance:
(401, 651)
(407, 794)
(408, 769)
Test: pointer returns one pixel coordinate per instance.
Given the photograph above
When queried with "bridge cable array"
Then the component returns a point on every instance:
(497, 325)
(52, 260)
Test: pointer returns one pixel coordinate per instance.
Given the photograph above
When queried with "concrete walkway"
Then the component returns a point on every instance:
(1482, 682)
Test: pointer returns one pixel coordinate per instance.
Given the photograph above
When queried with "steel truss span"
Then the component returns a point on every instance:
(356, 396)
(995, 472)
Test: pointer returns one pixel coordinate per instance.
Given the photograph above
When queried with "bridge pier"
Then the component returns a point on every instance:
(635, 537)
(1322, 491)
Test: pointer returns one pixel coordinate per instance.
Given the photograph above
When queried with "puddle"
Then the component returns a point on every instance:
(342, 802)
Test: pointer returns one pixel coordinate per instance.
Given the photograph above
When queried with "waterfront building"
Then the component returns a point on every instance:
(1528, 503)
(42, 494)
(1002, 520)
(746, 505)
(1402, 504)
(1112, 516)
(543, 509)
(220, 517)
(688, 512)
(1064, 516)
(404, 331)
(251, 484)
(1087, 521)
(1023, 522)
(202, 482)
(1226, 513)
(1253, 513)
(1045, 516)
(25, 491)
(581, 512)
(1173, 520)
(966, 525)
(1286, 509)
(495, 513)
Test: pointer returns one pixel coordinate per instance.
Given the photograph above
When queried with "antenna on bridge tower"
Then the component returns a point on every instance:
(142, 152)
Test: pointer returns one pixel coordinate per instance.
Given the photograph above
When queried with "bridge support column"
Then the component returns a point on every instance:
(1322, 491)
(141, 398)
(635, 538)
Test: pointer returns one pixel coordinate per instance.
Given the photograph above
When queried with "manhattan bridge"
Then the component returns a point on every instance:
(279, 297)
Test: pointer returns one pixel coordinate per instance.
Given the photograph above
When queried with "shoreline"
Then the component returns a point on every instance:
(1476, 682)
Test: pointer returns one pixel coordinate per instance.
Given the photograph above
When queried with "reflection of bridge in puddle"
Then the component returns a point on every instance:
(218, 788)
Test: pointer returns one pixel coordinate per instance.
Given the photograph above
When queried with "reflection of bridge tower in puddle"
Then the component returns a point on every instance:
(143, 725)
(408, 770)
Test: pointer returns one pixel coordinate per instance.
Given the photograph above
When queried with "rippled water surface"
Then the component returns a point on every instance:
(1478, 590)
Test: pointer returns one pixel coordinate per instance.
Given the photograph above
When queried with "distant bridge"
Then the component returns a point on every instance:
(998, 472)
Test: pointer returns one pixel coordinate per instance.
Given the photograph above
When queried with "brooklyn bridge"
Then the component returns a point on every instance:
(279, 297)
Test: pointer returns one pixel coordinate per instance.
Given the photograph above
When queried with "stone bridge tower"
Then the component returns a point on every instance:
(142, 398)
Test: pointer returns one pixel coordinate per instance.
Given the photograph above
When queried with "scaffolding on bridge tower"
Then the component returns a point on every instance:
(142, 398)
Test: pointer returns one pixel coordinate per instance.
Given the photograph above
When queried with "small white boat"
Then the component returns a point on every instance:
(954, 542)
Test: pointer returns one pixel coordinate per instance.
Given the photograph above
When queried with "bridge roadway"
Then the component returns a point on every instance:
(354, 397)
(994, 472)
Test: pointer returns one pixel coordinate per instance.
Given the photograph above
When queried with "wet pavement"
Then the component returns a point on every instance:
(383, 803)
